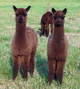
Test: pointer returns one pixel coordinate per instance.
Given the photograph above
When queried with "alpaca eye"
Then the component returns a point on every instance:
(25, 15)
(16, 15)
(55, 17)
(62, 17)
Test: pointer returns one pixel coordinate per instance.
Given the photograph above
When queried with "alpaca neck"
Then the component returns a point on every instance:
(58, 33)
(20, 32)
(20, 27)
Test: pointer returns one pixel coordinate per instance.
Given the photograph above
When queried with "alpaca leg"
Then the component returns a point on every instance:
(51, 70)
(16, 66)
(32, 63)
(51, 28)
(59, 71)
(25, 66)
(47, 30)
(42, 29)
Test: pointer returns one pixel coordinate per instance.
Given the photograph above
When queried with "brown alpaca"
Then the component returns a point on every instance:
(24, 44)
(57, 47)
(45, 21)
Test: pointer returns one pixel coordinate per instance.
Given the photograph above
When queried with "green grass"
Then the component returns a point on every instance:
(71, 78)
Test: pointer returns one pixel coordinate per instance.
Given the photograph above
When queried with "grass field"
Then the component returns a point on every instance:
(71, 78)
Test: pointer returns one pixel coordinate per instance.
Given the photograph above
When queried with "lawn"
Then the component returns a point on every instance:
(71, 78)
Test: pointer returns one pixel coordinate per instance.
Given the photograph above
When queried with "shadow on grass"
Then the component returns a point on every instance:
(11, 61)
(42, 67)
(79, 67)
(38, 32)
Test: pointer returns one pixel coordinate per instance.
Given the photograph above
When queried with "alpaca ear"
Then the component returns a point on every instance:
(64, 11)
(53, 10)
(27, 9)
(14, 8)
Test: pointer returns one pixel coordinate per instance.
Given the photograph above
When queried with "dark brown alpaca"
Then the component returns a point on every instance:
(45, 21)
(24, 44)
(57, 47)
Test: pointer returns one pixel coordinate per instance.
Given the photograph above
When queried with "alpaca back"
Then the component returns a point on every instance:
(47, 18)
(32, 38)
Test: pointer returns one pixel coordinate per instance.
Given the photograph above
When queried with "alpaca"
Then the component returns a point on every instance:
(57, 47)
(45, 21)
(24, 44)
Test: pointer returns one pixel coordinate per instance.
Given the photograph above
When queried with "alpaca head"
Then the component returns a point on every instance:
(21, 14)
(58, 17)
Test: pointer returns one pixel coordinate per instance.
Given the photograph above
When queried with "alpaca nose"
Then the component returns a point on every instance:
(58, 23)
(20, 19)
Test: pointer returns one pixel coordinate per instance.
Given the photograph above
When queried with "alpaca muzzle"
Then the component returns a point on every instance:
(58, 24)
(20, 19)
